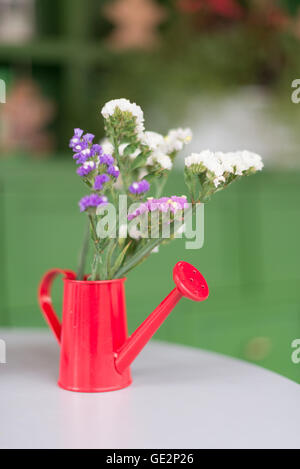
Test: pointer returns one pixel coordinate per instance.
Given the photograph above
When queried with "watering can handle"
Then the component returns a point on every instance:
(44, 296)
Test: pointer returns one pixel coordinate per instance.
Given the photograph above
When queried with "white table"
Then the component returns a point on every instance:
(180, 398)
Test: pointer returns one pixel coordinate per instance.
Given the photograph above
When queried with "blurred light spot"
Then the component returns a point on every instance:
(258, 348)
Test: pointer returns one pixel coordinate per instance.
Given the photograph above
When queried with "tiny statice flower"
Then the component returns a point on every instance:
(103, 178)
(139, 187)
(88, 138)
(108, 148)
(106, 159)
(134, 188)
(174, 141)
(92, 200)
(177, 138)
(86, 168)
(205, 161)
(143, 208)
(100, 180)
(113, 171)
(82, 146)
(83, 156)
(162, 159)
(164, 204)
(79, 147)
(124, 105)
(96, 149)
(219, 163)
(76, 138)
(153, 140)
(88, 152)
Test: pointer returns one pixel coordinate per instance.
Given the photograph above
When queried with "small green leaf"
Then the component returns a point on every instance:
(109, 257)
(119, 260)
(190, 181)
(151, 176)
(139, 161)
(139, 256)
(131, 148)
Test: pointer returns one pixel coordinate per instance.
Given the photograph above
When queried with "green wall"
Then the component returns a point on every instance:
(250, 259)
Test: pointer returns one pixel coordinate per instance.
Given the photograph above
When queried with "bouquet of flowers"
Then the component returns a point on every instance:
(124, 168)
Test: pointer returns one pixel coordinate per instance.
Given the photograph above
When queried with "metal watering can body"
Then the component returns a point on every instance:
(96, 352)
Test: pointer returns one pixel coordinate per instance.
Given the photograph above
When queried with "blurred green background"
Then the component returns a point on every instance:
(225, 69)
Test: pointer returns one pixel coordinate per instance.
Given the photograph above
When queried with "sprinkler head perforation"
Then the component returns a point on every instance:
(190, 282)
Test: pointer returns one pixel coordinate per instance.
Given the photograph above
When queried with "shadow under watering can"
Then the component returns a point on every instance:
(96, 352)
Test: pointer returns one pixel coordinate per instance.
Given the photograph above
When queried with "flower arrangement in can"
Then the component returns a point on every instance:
(130, 163)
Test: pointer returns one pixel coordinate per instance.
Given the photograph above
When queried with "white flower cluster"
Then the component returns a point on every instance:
(153, 140)
(220, 164)
(162, 146)
(158, 157)
(126, 106)
(177, 138)
(174, 141)
(107, 147)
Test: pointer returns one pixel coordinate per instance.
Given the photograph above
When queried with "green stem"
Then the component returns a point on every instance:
(95, 266)
(94, 232)
(138, 257)
(160, 186)
(143, 253)
(123, 173)
(83, 253)
(97, 256)
(109, 258)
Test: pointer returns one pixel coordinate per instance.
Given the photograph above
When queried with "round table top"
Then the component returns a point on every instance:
(181, 397)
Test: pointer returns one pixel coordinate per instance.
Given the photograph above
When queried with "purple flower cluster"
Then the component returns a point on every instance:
(164, 204)
(76, 139)
(86, 168)
(106, 159)
(92, 200)
(139, 187)
(82, 146)
(113, 171)
(84, 149)
(100, 180)
(90, 157)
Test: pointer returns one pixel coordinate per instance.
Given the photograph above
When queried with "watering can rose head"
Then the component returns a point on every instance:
(135, 163)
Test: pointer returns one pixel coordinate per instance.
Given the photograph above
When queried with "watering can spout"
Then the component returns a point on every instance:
(189, 283)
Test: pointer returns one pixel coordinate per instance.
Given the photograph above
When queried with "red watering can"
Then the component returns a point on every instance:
(95, 350)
